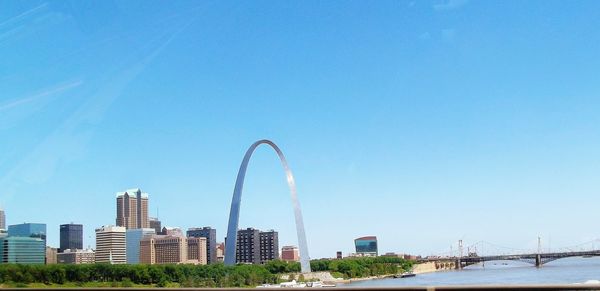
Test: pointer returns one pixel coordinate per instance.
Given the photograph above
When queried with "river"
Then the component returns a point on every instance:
(563, 271)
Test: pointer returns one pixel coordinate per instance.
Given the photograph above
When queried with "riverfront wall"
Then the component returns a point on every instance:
(430, 267)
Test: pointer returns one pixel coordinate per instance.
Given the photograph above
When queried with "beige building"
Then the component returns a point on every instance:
(76, 257)
(220, 252)
(51, 255)
(132, 209)
(111, 245)
(172, 249)
(197, 250)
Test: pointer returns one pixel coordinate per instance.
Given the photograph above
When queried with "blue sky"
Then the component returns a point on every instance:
(421, 122)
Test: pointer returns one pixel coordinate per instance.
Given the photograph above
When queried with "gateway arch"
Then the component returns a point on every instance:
(234, 213)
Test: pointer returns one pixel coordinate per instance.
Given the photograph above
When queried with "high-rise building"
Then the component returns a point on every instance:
(2, 219)
(269, 246)
(211, 239)
(111, 245)
(76, 257)
(255, 246)
(133, 238)
(37, 230)
(366, 246)
(51, 255)
(172, 249)
(132, 209)
(197, 250)
(248, 246)
(22, 250)
(156, 224)
(290, 253)
(71, 237)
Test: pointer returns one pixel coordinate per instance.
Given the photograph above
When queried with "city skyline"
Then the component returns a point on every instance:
(419, 122)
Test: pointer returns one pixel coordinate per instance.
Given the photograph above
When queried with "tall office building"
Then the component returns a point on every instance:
(211, 241)
(111, 245)
(2, 219)
(133, 238)
(36, 230)
(256, 247)
(247, 249)
(269, 246)
(22, 250)
(156, 224)
(132, 209)
(71, 237)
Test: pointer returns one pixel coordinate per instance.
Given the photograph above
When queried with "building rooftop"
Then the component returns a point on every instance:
(111, 228)
(200, 228)
(372, 237)
(132, 193)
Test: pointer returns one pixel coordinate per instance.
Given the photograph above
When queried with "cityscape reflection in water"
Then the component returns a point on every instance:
(563, 271)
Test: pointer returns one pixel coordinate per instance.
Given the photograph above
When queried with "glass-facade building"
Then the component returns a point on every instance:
(22, 250)
(71, 237)
(37, 230)
(366, 245)
(133, 238)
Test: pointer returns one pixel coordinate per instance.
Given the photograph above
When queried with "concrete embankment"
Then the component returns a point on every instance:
(430, 267)
(327, 278)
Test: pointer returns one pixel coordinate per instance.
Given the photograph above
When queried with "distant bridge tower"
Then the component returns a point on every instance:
(458, 262)
(538, 257)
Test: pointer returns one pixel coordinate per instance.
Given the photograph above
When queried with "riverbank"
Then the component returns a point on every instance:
(431, 267)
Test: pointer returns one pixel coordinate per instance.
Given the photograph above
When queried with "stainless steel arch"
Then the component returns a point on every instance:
(234, 213)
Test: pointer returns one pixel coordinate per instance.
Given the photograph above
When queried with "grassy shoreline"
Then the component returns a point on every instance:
(187, 276)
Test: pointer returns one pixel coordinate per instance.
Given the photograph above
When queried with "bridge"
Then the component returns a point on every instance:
(537, 258)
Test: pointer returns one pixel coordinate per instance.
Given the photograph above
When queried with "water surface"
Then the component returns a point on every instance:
(563, 271)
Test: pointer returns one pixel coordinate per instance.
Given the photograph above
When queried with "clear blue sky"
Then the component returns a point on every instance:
(421, 122)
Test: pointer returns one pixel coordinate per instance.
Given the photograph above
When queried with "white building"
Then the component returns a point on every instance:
(111, 245)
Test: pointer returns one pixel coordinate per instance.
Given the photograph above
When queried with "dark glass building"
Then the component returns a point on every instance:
(366, 245)
(71, 237)
(211, 241)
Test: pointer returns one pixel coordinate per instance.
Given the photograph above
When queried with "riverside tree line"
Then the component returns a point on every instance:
(184, 275)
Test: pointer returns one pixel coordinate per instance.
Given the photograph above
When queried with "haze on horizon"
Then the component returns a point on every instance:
(420, 122)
